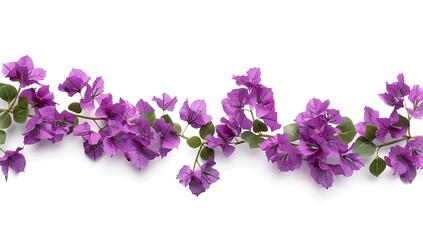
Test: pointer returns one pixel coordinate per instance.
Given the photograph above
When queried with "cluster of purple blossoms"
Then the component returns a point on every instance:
(131, 130)
(23, 72)
(320, 136)
(381, 131)
(324, 152)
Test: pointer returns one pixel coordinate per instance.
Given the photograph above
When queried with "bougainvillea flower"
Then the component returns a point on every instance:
(195, 114)
(395, 93)
(14, 160)
(92, 93)
(402, 163)
(199, 180)
(252, 79)
(166, 102)
(75, 82)
(40, 98)
(23, 71)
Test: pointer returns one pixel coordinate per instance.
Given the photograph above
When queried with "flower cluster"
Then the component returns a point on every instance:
(377, 132)
(319, 136)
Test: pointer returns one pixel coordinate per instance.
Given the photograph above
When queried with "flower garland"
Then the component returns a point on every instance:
(319, 137)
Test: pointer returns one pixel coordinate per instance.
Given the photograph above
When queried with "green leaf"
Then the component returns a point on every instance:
(20, 114)
(178, 127)
(402, 121)
(206, 130)
(377, 166)
(293, 131)
(194, 142)
(151, 116)
(206, 153)
(259, 126)
(167, 118)
(5, 120)
(348, 131)
(75, 107)
(255, 142)
(248, 136)
(23, 102)
(2, 137)
(8, 92)
(364, 147)
(370, 132)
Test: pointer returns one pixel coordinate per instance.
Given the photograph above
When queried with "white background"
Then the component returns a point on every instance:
(344, 52)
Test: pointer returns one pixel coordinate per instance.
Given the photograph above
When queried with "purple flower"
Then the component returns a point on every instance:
(110, 111)
(214, 142)
(271, 120)
(402, 163)
(14, 160)
(144, 107)
(416, 149)
(200, 180)
(75, 82)
(395, 93)
(84, 130)
(36, 130)
(23, 71)
(92, 93)
(261, 99)
(140, 155)
(235, 102)
(93, 151)
(251, 80)
(416, 97)
(318, 109)
(167, 140)
(323, 177)
(350, 162)
(280, 151)
(313, 145)
(49, 124)
(40, 98)
(195, 114)
(390, 125)
(370, 118)
(166, 102)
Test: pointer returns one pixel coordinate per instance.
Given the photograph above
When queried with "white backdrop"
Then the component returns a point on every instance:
(326, 49)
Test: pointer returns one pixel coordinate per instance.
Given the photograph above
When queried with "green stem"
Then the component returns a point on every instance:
(185, 130)
(87, 117)
(196, 157)
(405, 138)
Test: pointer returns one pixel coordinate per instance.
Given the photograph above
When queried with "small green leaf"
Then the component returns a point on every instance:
(167, 118)
(206, 153)
(348, 131)
(370, 132)
(20, 114)
(259, 126)
(5, 120)
(402, 121)
(256, 141)
(248, 136)
(8, 92)
(75, 107)
(151, 116)
(206, 130)
(23, 102)
(194, 142)
(2, 137)
(178, 127)
(293, 131)
(364, 147)
(377, 166)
